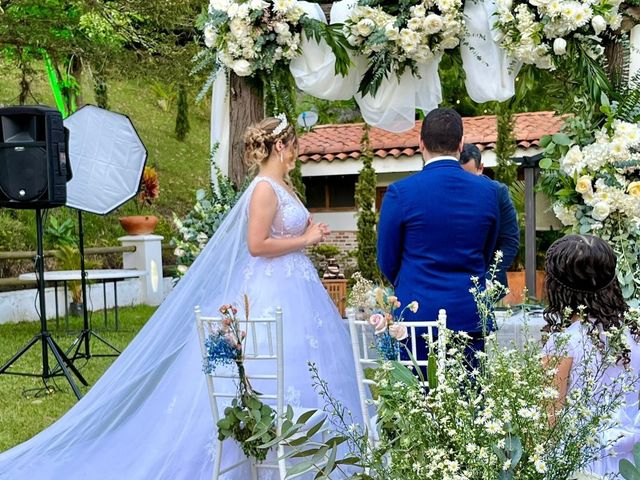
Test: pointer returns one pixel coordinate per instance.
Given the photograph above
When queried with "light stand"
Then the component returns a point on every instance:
(84, 338)
(44, 336)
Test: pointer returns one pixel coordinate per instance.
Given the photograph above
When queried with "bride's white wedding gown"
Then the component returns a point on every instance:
(148, 417)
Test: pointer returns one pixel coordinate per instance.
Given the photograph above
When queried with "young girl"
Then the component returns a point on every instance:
(586, 308)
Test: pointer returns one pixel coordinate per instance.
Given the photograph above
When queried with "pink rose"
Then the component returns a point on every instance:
(398, 331)
(413, 306)
(379, 323)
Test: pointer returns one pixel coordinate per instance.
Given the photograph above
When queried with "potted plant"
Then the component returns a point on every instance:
(149, 191)
(68, 257)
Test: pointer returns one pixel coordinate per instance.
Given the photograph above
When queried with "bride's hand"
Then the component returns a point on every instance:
(314, 233)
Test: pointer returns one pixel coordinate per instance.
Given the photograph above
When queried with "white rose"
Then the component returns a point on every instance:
(391, 31)
(221, 5)
(419, 11)
(257, 4)
(584, 186)
(242, 68)
(182, 269)
(365, 27)
(600, 211)
(232, 11)
(566, 215)
(243, 11)
(415, 23)
(280, 28)
(559, 46)
(449, 42)
(433, 23)
(599, 24)
(209, 36)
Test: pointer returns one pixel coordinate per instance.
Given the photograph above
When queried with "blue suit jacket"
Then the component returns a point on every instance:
(437, 229)
(508, 232)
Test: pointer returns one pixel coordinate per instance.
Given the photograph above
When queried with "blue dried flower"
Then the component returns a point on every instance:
(388, 347)
(219, 352)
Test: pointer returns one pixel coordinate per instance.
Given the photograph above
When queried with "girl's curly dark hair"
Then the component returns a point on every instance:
(581, 274)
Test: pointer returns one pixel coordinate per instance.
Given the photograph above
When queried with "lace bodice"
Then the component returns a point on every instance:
(292, 217)
(290, 221)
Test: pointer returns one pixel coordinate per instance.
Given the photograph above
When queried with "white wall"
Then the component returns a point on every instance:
(337, 221)
(19, 305)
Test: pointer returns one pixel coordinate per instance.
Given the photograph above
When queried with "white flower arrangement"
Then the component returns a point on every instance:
(394, 42)
(536, 32)
(253, 35)
(599, 193)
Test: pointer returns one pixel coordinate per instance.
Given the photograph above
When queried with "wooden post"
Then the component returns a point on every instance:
(530, 229)
(246, 107)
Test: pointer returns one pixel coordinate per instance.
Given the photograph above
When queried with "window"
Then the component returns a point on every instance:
(336, 192)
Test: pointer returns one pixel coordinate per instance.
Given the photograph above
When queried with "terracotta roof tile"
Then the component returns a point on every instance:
(330, 142)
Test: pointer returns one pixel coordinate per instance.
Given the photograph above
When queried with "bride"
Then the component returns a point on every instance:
(148, 417)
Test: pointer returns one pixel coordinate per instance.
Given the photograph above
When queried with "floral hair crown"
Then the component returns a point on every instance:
(282, 125)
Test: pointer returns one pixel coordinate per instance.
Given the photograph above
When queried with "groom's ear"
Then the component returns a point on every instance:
(421, 145)
(461, 146)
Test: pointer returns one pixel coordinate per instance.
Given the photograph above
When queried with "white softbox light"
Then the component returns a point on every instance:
(107, 160)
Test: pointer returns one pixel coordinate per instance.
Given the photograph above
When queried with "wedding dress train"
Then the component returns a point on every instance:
(148, 417)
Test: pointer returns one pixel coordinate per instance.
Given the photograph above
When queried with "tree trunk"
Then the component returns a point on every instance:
(247, 107)
(615, 54)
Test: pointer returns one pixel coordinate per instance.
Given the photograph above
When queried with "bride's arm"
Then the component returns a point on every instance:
(262, 211)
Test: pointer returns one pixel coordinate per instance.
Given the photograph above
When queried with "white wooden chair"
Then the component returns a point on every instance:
(365, 356)
(268, 352)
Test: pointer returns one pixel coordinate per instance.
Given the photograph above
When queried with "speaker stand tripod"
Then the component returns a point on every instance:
(64, 364)
(84, 338)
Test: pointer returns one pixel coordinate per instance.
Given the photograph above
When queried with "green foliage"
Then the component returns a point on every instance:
(22, 415)
(182, 119)
(199, 225)
(298, 184)
(101, 92)
(367, 218)
(61, 232)
(249, 422)
(506, 171)
(628, 470)
(333, 36)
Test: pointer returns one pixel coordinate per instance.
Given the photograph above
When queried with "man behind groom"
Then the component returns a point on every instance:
(438, 228)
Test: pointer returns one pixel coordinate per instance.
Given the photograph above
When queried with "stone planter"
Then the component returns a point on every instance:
(139, 224)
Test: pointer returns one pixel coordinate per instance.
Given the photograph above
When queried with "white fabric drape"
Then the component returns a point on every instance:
(315, 70)
(490, 72)
(220, 120)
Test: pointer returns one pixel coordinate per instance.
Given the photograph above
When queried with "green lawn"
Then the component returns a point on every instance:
(183, 167)
(22, 415)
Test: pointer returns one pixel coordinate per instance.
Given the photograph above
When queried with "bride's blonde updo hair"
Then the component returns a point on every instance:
(259, 140)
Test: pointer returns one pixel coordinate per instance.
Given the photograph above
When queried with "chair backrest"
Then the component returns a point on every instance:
(365, 354)
(263, 361)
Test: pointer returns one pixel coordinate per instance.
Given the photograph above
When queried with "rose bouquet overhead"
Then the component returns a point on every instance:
(396, 36)
(539, 32)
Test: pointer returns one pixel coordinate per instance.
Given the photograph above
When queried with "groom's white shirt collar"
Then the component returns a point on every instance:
(437, 159)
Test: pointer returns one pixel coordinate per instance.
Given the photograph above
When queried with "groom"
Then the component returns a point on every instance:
(438, 228)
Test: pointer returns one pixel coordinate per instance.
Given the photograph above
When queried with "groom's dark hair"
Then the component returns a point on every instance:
(442, 130)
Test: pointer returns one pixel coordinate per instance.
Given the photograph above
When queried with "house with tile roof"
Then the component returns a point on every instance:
(330, 156)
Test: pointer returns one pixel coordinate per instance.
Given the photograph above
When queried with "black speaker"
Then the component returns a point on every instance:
(34, 165)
